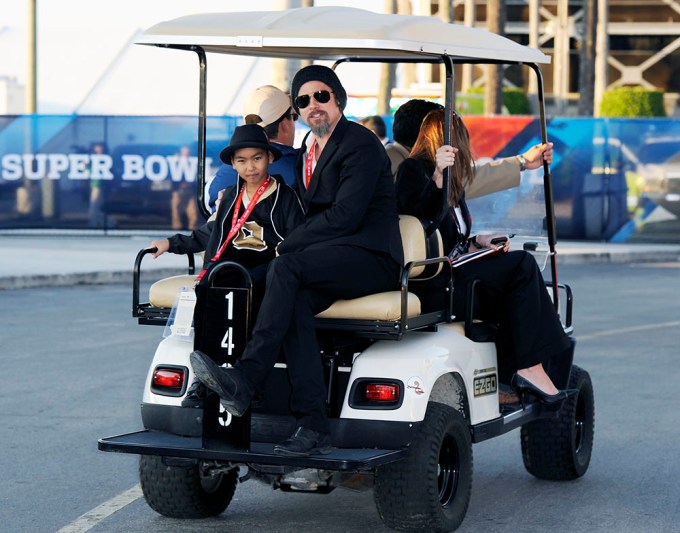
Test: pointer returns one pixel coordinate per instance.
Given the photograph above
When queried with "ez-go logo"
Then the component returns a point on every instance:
(484, 385)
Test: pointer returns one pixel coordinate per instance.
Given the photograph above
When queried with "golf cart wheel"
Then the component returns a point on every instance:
(560, 449)
(183, 491)
(429, 490)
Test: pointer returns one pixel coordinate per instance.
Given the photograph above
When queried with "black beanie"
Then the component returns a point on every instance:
(318, 73)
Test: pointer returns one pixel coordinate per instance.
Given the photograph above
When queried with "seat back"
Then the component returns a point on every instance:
(392, 307)
(418, 247)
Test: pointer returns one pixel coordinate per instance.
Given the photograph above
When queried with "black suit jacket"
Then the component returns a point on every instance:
(418, 195)
(351, 198)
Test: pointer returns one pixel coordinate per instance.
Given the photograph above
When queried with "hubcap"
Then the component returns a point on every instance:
(210, 483)
(448, 472)
(579, 424)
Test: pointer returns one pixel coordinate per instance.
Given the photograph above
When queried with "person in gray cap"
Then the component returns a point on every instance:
(348, 246)
(271, 108)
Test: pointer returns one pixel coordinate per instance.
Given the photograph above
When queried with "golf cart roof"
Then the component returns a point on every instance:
(332, 33)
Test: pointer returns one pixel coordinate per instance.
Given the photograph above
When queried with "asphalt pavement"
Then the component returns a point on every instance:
(57, 260)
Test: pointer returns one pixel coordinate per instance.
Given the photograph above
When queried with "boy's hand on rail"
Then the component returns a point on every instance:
(161, 245)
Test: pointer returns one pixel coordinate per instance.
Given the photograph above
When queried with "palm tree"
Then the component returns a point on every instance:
(586, 77)
(388, 73)
(495, 21)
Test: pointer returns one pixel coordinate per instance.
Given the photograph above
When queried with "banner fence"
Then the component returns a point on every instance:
(613, 178)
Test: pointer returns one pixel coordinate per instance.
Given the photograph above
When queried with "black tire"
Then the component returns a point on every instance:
(429, 490)
(560, 449)
(183, 492)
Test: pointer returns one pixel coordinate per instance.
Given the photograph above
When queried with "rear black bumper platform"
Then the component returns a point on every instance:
(166, 444)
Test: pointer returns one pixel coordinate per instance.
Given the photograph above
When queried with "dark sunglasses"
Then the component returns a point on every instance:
(292, 115)
(323, 97)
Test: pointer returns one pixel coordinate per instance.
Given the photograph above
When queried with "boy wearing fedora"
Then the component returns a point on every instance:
(255, 215)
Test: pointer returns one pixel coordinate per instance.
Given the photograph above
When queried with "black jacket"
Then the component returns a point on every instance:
(419, 196)
(351, 198)
(272, 220)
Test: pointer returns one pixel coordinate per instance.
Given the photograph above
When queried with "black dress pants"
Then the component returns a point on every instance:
(300, 285)
(513, 295)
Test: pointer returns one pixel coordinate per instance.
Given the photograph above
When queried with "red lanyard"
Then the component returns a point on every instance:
(309, 163)
(236, 221)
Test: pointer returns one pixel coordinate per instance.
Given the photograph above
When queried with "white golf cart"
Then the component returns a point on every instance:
(410, 388)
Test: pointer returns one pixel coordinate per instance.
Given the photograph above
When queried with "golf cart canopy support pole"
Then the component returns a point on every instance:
(449, 111)
(548, 189)
(202, 120)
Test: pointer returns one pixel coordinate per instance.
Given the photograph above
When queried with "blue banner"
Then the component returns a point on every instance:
(103, 172)
(612, 177)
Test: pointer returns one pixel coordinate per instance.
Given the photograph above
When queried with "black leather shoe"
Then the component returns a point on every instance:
(304, 442)
(229, 383)
(524, 387)
(195, 395)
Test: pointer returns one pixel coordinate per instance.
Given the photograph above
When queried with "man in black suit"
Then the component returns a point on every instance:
(349, 246)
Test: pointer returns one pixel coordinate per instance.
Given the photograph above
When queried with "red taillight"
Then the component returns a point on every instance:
(168, 378)
(381, 392)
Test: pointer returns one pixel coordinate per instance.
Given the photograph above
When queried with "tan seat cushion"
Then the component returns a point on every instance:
(381, 306)
(164, 292)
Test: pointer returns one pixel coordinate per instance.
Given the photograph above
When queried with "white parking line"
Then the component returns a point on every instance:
(619, 331)
(103, 511)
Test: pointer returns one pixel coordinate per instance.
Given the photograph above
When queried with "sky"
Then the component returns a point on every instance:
(87, 62)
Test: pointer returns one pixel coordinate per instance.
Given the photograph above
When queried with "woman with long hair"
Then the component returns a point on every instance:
(510, 285)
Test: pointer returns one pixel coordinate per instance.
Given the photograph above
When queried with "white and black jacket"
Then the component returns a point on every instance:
(271, 221)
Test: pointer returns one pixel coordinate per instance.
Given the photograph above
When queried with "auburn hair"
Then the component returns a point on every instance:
(431, 137)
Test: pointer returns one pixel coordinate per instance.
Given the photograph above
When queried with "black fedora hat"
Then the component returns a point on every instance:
(248, 136)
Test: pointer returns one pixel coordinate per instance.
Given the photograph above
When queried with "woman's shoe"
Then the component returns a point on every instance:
(523, 386)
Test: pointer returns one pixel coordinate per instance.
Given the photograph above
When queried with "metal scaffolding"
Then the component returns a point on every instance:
(557, 27)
